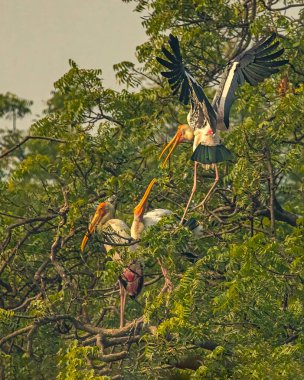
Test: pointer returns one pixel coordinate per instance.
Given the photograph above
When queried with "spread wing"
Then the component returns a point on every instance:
(181, 80)
(252, 66)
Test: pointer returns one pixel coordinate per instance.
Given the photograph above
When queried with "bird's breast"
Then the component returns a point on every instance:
(202, 136)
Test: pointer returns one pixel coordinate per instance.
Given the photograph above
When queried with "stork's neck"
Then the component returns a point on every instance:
(137, 227)
(110, 214)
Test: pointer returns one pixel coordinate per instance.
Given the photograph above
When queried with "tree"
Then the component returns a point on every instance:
(237, 310)
(12, 107)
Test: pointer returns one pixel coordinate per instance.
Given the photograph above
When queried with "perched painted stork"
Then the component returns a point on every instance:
(206, 119)
(117, 233)
(143, 220)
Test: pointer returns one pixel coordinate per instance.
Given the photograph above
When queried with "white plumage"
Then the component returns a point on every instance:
(152, 217)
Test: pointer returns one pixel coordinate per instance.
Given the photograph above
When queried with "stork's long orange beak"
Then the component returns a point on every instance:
(139, 209)
(94, 222)
(174, 142)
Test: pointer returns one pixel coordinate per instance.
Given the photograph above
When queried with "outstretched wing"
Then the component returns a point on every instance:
(181, 80)
(252, 66)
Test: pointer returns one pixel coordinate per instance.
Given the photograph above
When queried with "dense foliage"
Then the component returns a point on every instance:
(236, 310)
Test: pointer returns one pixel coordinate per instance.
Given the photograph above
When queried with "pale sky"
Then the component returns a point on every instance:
(39, 36)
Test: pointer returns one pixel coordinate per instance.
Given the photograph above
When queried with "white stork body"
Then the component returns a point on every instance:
(151, 218)
(117, 230)
(154, 216)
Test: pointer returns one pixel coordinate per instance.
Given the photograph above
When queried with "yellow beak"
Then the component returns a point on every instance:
(139, 209)
(174, 142)
(94, 222)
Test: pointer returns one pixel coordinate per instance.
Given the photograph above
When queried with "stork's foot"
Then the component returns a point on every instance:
(208, 195)
(200, 205)
(182, 220)
(168, 286)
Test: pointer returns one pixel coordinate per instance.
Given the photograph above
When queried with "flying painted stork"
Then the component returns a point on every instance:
(117, 233)
(206, 119)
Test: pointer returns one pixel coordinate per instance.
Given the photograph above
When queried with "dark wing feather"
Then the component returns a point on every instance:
(252, 66)
(183, 97)
(174, 45)
(249, 78)
(269, 49)
(181, 79)
(270, 57)
(264, 43)
(169, 55)
(170, 74)
(165, 63)
(175, 79)
(267, 71)
(276, 63)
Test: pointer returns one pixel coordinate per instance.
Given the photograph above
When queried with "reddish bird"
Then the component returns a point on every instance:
(206, 119)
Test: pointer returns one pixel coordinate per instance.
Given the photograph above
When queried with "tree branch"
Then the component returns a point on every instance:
(7, 152)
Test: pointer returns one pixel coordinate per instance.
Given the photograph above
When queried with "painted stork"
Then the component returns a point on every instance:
(143, 220)
(206, 119)
(117, 233)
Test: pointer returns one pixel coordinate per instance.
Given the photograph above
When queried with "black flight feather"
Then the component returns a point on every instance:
(169, 56)
(271, 56)
(170, 74)
(249, 79)
(267, 70)
(276, 63)
(264, 43)
(268, 50)
(174, 44)
(253, 74)
(165, 63)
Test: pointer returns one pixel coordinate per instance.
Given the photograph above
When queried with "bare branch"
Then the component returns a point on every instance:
(7, 152)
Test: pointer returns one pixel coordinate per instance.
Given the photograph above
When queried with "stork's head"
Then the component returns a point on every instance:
(184, 133)
(140, 208)
(103, 213)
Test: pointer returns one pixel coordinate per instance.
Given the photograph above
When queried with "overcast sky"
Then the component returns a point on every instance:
(39, 37)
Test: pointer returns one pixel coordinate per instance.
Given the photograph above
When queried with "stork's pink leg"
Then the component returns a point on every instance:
(123, 296)
(192, 193)
(210, 190)
(168, 284)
